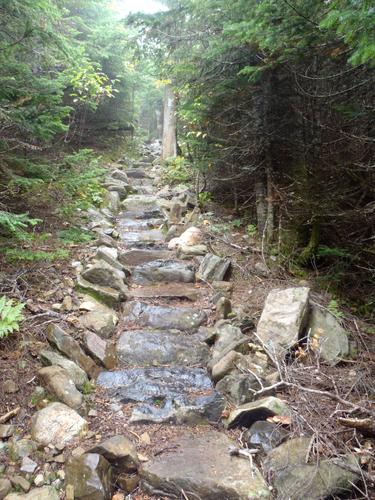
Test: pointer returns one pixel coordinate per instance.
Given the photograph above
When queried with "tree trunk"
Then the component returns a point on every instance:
(261, 205)
(169, 148)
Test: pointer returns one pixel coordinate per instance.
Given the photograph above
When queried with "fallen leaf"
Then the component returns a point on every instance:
(145, 438)
(280, 419)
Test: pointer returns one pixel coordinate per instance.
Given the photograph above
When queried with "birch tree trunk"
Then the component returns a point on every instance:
(169, 148)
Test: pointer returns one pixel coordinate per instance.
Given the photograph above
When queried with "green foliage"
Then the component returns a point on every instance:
(204, 197)
(333, 308)
(29, 255)
(15, 225)
(176, 171)
(87, 388)
(324, 251)
(75, 235)
(10, 316)
(251, 230)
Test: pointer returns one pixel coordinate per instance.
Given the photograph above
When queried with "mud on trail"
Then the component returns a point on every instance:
(167, 361)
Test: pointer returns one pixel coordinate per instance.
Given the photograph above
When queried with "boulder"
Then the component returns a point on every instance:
(119, 175)
(164, 271)
(57, 424)
(91, 476)
(58, 383)
(225, 335)
(246, 415)
(5, 487)
(175, 212)
(295, 479)
(99, 349)
(265, 435)
(283, 319)
(223, 308)
(164, 318)
(213, 268)
(76, 373)
(120, 453)
(71, 348)
(103, 274)
(327, 337)
(200, 466)
(188, 252)
(158, 348)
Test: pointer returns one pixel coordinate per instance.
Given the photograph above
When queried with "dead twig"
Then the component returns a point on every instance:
(7, 416)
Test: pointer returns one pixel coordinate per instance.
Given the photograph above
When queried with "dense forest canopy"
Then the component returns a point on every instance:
(274, 102)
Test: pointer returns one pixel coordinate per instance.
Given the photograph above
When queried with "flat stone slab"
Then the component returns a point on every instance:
(167, 291)
(146, 237)
(200, 466)
(139, 224)
(157, 348)
(136, 257)
(136, 173)
(164, 318)
(146, 212)
(163, 270)
(177, 395)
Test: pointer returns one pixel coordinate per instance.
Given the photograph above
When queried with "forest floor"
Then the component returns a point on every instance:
(317, 393)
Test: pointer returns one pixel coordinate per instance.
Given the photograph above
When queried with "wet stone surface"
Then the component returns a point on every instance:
(156, 348)
(163, 270)
(161, 317)
(178, 394)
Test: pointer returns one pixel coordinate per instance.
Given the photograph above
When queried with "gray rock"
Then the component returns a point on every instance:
(28, 465)
(331, 338)
(106, 294)
(71, 348)
(76, 373)
(5, 487)
(102, 321)
(120, 175)
(112, 201)
(223, 308)
(190, 251)
(10, 387)
(213, 268)
(138, 257)
(45, 493)
(109, 255)
(246, 415)
(99, 349)
(296, 480)
(91, 477)
(57, 424)
(225, 335)
(156, 348)
(20, 482)
(166, 290)
(136, 174)
(265, 435)
(175, 212)
(148, 238)
(238, 387)
(164, 318)
(177, 395)
(58, 383)
(283, 318)
(121, 188)
(163, 270)
(21, 448)
(103, 274)
(201, 467)
(6, 430)
(120, 453)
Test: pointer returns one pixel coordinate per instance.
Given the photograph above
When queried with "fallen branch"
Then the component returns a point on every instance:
(9, 415)
(366, 426)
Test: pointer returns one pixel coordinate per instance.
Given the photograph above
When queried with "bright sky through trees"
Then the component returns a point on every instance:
(124, 7)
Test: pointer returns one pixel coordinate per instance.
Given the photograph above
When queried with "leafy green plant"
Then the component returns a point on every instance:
(251, 230)
(237, 222)
(75, 235)
(15, 225)
(176, 171)
(87, 388)
(333, 308)
(28, 255)
(10, 316)
(204, 198)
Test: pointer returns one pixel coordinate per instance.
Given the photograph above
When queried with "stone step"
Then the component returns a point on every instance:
(178, 395)
(138, 224)
(201, 466)
(163, 271)
(136, 257)
(141, 238)
(166, 291)
(142, 213)
(158, 347)
(136, 173)
(164, 318)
